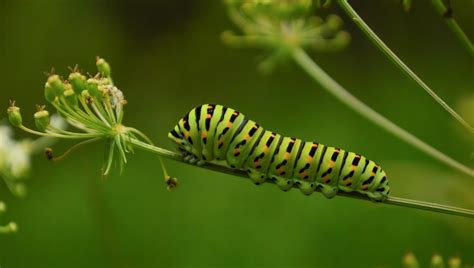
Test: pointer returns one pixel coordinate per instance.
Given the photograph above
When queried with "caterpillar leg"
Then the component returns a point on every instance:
(377, 196)
(283, 183)
(306, 188)
(257, 177)
(328, 190)
(192, 159)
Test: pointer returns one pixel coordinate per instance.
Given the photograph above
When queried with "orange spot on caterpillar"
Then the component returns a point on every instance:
(309, 159)
(302, 175)
(280, 170)
(287, 155)
(257, 163)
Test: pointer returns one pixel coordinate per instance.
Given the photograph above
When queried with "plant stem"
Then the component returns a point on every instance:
(348, 99)
(453, 25)
(391, 200)
(399, 63)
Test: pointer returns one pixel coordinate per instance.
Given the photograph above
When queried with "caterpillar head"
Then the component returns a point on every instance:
(176, 137)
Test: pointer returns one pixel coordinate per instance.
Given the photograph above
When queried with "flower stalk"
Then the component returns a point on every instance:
(400, 64)
(445, 10)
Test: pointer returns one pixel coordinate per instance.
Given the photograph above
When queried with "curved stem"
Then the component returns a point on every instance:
(391, 200)
(399, 63)
(446, 12)
(348, 99)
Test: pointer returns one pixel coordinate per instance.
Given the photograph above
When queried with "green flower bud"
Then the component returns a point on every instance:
(13, 227)
(78, 82)
(19, 189)
(280, 8)
(334, 22)
(70, 97)
(9, 228)
(410, 261)
(103, 67)
(406, 5)
(49, 94)
(14, 115)
(437, 261)
(93, 88)
(3, 207)
(42, 120)
(56, 84)
(455, 262)
(104, 81)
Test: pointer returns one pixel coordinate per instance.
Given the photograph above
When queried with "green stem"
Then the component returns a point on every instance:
(399, 63)
(348, 99)
(391, 200)
(54, 135)
(453, 25)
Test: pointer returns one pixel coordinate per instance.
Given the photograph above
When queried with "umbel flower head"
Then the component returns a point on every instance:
(94, 107)
(280, 26)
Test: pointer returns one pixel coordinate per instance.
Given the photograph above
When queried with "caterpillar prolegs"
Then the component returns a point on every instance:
(216, 133)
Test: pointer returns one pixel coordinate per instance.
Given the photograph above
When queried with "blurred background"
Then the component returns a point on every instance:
(167, 57)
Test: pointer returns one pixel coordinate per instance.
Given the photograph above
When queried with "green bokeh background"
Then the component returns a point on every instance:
(167, 58)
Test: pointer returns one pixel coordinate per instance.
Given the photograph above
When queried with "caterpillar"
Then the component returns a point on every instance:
(214, 133)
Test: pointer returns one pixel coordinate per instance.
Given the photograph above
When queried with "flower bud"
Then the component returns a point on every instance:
(19, 190)
(9, 228)
(455, 262)
(93, 88)
(103, 67)
(14, 115)
(334, 22)
(70, 95)
(437, 261)
(104, 81)
(49, 94)
(281, 8)
(48, 152)
(78, 82)
(171, 183)
(56, 84)
(42, 120)
(406, 5)
(409, 261)
(3, 207)
(13, 227)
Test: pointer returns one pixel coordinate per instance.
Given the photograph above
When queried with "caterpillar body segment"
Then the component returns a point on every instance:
(212, 132)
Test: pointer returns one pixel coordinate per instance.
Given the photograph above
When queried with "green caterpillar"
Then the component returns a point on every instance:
(213, 132)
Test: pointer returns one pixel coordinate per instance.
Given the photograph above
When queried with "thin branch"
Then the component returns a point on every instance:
(399, 63)
(348, 99)
(390, 201)
(446, 12)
